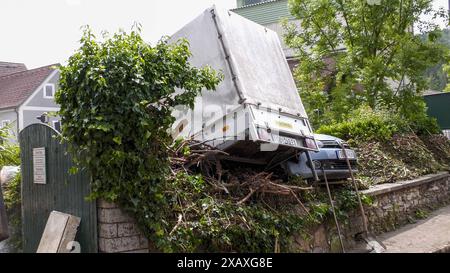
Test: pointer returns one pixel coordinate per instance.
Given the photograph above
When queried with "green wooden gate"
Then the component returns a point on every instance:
(57, 189)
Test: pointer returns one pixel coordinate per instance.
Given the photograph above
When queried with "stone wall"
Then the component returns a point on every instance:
(118, 232)
(399, 203)
(394, 205)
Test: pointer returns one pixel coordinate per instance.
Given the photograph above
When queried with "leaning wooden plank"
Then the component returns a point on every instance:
(69, 235)
(4, 234)
(61, 229)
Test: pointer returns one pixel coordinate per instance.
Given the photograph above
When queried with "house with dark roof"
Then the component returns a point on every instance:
(10, 68)
(26, 94)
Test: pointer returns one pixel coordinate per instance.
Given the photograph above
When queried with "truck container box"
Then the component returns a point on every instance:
(256, 113)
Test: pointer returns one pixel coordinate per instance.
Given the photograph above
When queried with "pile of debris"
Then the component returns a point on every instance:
(404, 157)
(439, 145)
(376, 166)
(236, 181)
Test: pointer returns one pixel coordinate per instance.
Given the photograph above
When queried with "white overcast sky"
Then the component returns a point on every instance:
(42, 32)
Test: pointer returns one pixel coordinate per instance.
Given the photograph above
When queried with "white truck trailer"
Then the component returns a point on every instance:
(256, 114)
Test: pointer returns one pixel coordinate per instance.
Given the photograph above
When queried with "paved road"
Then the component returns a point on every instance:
(425, 236)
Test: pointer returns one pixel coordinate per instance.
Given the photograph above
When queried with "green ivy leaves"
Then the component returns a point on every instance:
(108, 92)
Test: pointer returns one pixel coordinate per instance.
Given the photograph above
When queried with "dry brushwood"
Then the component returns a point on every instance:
(239, 184)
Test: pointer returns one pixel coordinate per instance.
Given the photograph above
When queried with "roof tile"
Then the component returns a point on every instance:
(17, 87)
(10, 68)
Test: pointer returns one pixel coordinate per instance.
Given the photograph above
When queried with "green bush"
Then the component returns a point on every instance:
(366, 124)
(425, 126)
(13, 203)
(116, 98)
(10, 156)
(9, 152)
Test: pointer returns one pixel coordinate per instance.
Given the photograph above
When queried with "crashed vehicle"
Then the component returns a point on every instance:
(330, 158)
(256, 114)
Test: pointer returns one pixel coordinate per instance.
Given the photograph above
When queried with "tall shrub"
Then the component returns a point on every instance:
(116, 97)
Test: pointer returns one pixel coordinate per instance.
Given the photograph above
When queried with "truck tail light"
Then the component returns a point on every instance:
(264, 134)
(310, 143)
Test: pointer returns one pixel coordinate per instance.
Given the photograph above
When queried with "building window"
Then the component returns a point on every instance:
(57, 125)
(49, 91)
(5, 123)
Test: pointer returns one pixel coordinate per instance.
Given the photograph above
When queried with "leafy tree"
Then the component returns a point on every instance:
(9, 152)
(446, 68)
(437, 74)
(116, 98)
(362, 52)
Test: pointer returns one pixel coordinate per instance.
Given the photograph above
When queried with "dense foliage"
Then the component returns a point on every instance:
(9, 152)
(366, 124)
(211, 221)
(10, 156)
(446, 69)
(437, 74)
(116, 97)
(13, 203)
(361, 52)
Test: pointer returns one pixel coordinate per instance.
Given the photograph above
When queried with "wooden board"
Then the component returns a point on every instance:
(4, 234)
(60, 230)
(69, 235)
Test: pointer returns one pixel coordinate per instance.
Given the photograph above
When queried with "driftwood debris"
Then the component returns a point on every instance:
(240, 183)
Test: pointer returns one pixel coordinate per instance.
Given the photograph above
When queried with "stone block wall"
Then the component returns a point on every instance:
(394, 205)
(399, 203)
(118, 232)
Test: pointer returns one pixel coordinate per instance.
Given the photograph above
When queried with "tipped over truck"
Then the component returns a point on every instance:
(256, 114)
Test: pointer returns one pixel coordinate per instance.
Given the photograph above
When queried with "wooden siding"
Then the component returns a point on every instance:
(266, 13)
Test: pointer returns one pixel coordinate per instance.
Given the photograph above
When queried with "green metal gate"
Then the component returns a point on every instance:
(54, 189)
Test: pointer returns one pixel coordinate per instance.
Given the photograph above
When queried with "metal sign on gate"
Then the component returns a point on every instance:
(39, 167)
